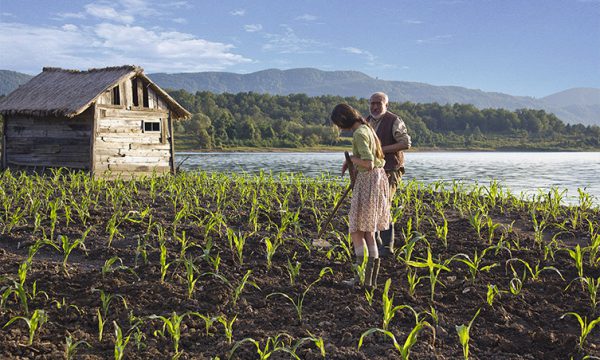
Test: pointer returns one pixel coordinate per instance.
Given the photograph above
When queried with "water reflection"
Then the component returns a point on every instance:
(517, 171)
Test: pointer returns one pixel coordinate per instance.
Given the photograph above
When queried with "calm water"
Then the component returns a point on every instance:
(518, 171)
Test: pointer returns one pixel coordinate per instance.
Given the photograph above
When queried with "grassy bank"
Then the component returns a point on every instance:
(216, 266)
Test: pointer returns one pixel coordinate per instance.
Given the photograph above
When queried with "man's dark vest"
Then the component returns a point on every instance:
(393, 161)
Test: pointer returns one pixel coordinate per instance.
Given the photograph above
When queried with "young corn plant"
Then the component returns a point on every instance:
(228, 327)
(191, 276)
(464, 335)
(271, 346)
(475, 264)
(172, 327)
(410, 341)
(535, 271)
(492, 292)
(237, 291)
(71, 346)
(592, 286)
(585, 326)
(270, 248)
(477, 221)
(299, 301)
(293, 269)
(433, 267)
(577, 255)
(120, 342)
(389, 310)
(237, 241)
(34, 323)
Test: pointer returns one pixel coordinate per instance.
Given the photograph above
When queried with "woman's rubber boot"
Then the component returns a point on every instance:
(375, 272)
(369, 272)
(386, 245)
(355, 281)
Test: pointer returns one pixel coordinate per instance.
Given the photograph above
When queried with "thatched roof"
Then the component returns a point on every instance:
(60, 92)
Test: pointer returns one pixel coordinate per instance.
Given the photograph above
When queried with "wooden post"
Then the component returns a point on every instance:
(4, 127)
(172, 141)
(93, 140)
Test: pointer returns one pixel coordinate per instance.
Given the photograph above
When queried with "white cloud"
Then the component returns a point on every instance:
(253, 27)
(28, 48)
(70, 27)
(64, 16)
(413, 22)
(288, 42)
(180, 20)
(108, 13)
(436, 39)
(357, 51)
(306, 17)
(238, 12)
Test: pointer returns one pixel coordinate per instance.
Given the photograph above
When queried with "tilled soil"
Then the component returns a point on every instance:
(527, 325)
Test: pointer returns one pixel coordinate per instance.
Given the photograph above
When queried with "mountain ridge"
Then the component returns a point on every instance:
(576, 105)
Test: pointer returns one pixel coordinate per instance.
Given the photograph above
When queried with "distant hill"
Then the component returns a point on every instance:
(10, 80)
(579, 105)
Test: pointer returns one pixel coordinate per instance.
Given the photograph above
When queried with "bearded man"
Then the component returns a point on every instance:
(394, 138)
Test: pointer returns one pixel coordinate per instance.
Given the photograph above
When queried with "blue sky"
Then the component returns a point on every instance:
(520, 47)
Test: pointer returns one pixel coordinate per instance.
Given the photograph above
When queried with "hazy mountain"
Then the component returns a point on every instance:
(579, 105)
(10, 80)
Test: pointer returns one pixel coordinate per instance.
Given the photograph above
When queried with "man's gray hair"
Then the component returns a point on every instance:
(380, 94)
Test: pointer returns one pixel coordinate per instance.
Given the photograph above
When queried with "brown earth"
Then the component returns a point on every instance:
(524, 326)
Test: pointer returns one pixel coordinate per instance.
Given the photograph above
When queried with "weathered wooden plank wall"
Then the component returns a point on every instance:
(49, 141)
(121, 144)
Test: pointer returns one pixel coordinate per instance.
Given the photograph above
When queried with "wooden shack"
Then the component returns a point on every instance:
(111, 121)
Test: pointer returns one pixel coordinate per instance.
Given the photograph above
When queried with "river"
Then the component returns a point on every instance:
(527, 172)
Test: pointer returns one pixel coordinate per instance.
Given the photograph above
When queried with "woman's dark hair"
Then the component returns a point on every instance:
(344, 116)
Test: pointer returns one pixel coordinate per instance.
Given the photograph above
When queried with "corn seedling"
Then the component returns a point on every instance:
(190, 276)
(237, 292)
(433, 267)
(475, 265)
(413, 279)
(120, 342)
(71, 346)
(534, 271)
(228, 327)
(492, 292)
(464, 335)
(299, 301)
(317, 341)
(369, 295)
(577, 255)
(34, 323)
(237, 241)
(68, 247)
(477, 222)
(410, 341)
(293, 270)
(172, 327)
(270, 248)
(592, 286)
(389, 310)
(271, 346)
(585, 326)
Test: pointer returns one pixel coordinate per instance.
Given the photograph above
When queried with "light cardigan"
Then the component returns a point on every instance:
(364, 145)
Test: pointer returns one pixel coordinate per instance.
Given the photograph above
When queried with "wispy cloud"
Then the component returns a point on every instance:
(439, 39)
(253, 27)
(306, 17)
(108, 13)
(357, 51)
(413, 22)
(238, 12)
(180, 21)
(69, 15)
(288, 42)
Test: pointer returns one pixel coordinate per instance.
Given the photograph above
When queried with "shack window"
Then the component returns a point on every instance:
(151, 126)
(116, 95)
(134, 92)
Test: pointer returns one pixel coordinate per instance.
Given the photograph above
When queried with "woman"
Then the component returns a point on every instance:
(369, 208)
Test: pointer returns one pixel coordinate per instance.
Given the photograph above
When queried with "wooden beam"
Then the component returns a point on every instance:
(93, 141)
(172, 141)
(4, 144)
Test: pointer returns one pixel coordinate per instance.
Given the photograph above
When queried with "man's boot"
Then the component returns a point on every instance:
(386, 243)
(375, 272)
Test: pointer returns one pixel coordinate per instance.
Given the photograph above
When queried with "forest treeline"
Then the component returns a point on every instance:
(297, 120)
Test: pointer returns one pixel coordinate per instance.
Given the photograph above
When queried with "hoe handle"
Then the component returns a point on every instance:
(337, 206)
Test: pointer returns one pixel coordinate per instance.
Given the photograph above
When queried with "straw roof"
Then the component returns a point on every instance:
(60, 92)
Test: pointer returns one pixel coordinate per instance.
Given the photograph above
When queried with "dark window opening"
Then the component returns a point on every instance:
(151, 126)
(116, 96)
(145, 95)
(134, 92)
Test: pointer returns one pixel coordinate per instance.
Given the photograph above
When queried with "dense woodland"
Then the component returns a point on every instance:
(297, 120)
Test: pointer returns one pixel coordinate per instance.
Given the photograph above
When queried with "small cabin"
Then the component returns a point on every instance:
(112, 121)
